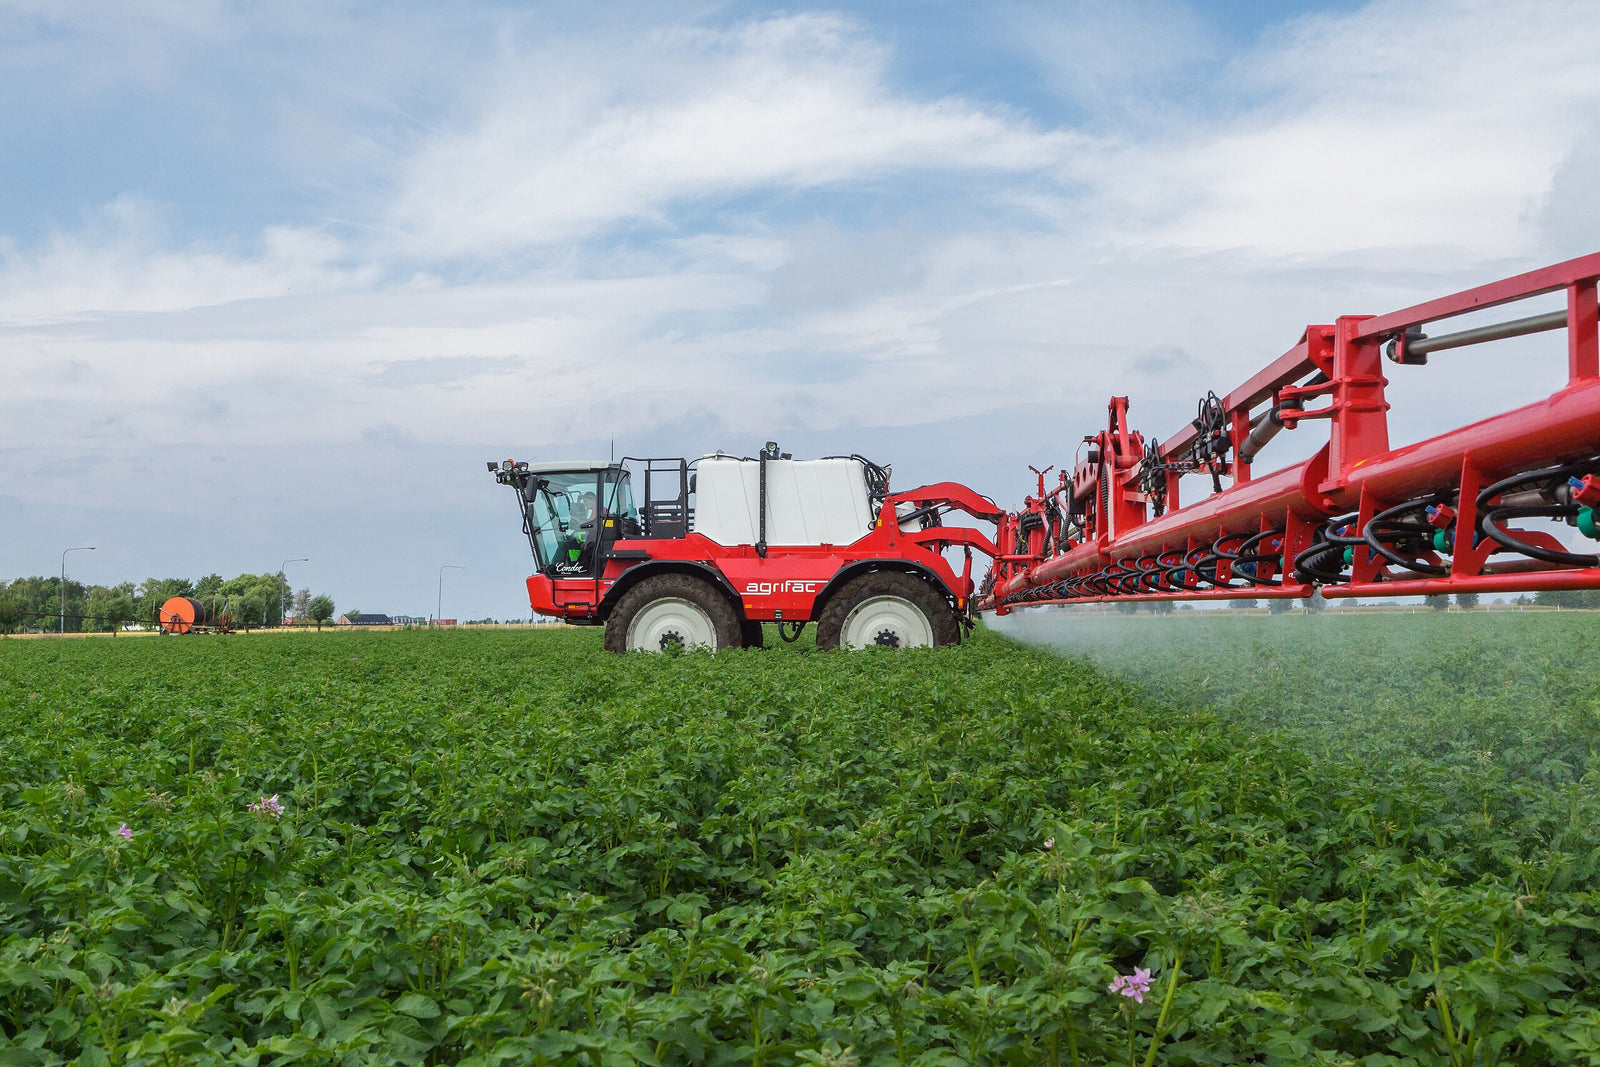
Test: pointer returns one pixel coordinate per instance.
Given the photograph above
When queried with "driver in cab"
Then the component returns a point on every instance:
(579, 544)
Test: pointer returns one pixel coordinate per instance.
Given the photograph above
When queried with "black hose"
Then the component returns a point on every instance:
(1206, 567)
(1226, 555)
(1122, 575)
(1151, 572)
(1247, 561)
(1196, 560)
(1313, 564)
(1490, 517)
(1175, 573)
(1211, 443)
(1415, 534)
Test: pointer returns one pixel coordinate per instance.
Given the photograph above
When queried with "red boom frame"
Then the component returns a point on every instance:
(1356, 519)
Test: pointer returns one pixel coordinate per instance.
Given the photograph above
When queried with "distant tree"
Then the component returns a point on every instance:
(258, 598)
(1316, 602)
(1466, 601)
(1161, 607)
(10, 611)
(1241, 605)
(302, 604)
(253, 609)
(110, 607)
(320, 608)
(34, 602)
(1567, 598)
(1437, 601)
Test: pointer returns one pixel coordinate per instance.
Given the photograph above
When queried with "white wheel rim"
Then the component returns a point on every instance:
(889, 621)
(671, 621)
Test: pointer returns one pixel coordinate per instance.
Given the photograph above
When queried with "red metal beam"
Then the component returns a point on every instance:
(1533, 283)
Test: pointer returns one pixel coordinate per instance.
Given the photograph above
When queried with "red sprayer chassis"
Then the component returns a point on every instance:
(866, 564)
(1358, 518)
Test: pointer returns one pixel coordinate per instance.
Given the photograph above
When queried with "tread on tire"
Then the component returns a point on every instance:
(725, 622)
(932, 604)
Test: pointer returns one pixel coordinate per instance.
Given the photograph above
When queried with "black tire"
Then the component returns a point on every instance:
(751, 634)
(725, 622)
(942, 621)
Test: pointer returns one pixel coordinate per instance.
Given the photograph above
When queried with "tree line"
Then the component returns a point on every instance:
(251, 600)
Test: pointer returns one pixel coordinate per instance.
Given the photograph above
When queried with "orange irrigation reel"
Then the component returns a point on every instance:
(184, 615)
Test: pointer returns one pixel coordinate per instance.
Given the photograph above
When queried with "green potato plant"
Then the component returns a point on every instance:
(504, 847)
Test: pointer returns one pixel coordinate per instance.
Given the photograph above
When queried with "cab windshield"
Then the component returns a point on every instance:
(561, 517)
(568, 510)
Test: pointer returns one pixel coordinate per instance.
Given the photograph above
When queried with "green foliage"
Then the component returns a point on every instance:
(1568, 598)
(509, 848)
(320, 609)
(1399, 695)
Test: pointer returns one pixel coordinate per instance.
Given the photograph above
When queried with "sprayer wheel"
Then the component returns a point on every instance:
(887, 609)
(672, 610)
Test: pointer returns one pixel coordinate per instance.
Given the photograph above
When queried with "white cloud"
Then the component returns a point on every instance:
(573, 144)
(125, 263)
(1426, 129)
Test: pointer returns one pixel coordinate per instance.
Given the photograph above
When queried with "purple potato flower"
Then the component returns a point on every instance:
(269, 807)
(1134, 985)
(125, 833)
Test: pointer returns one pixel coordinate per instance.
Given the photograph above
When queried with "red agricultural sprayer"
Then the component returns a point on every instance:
(1448, 514)
(720, 545)
(714, 547)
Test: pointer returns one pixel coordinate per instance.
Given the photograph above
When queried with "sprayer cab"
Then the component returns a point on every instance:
(571, 511)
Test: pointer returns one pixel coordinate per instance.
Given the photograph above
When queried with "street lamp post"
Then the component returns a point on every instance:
(438, 607)
(85, 548)
(281, 567)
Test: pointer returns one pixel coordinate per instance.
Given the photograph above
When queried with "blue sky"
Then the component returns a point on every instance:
(275, 282)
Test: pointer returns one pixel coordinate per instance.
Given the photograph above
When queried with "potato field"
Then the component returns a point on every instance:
(511, 848)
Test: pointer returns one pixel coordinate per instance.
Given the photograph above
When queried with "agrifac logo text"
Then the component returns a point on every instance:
(794, 585)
